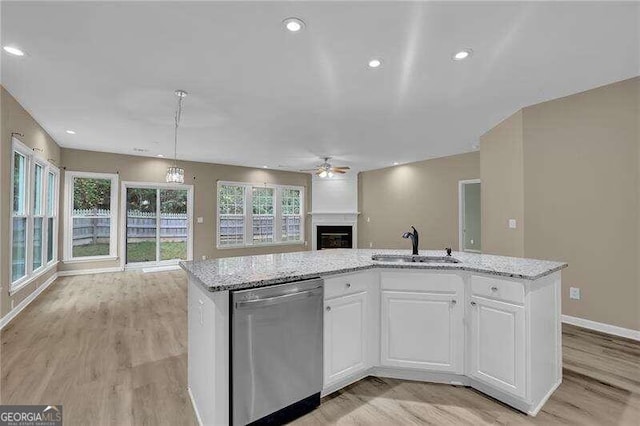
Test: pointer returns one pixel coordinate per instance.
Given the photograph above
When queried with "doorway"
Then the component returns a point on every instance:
(157, 224)
(470, 215)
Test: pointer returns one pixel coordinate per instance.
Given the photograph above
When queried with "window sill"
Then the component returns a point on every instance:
(90, 259)
(19, 285)
(247, 246)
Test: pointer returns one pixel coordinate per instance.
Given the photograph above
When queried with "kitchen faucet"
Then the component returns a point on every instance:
(414, 239)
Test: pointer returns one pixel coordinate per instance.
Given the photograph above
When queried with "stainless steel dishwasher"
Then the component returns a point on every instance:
(276, 352)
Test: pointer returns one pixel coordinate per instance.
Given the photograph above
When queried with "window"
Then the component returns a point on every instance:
(251, 215)
(32, 237)
(20, 216)
(38, 216)
(52, 216)
(91, 215)
(291, 214)
(230, 215)
(263, 215)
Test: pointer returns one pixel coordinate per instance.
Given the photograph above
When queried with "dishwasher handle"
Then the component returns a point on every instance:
(268, 301)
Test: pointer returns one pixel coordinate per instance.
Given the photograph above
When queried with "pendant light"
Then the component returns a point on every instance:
(175, 174)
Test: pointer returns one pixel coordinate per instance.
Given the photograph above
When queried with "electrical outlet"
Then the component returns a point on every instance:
(12, 304)
(204, 257)
(200, 219)
(368, 219)
(370, 244)
(512, 223)
(574, 293)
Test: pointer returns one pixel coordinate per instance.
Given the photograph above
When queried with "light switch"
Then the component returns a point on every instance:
(200, 219)
(368, 219)
(512, 223)
(574, 293)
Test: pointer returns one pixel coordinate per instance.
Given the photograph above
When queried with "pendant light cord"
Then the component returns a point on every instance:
(181, 94)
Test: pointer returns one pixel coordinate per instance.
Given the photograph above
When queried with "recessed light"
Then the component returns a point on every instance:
(160, 155)
(13, 50)
(395, 163)
(463, 54)
(375, 63)
(265, 167)
(293, 25)
(71, 132)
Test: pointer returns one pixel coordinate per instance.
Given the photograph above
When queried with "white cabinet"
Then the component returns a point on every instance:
(497, 344)
(345, 336)
(422, 329)
(351, 317)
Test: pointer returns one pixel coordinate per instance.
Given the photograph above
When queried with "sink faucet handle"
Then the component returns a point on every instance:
(448, 249)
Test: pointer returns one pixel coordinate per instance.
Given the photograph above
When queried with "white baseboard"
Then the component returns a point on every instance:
(534, 411)
(161, 268)
(25, 302)
(195, 408)
(90, 271)
(602, 327)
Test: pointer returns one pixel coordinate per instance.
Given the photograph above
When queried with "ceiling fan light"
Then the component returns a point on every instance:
(330, 174)
(323, 174)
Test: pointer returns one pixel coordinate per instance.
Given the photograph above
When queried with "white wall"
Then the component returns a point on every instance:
(338, 194)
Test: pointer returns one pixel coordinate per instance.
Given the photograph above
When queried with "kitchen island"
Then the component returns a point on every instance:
(489, 322)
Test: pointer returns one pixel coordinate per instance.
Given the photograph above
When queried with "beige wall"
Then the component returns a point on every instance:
(502, 175)
(637, 124)
(570, 169)
(203, 176)
(14, 118)
(581, 197)
(423, 194)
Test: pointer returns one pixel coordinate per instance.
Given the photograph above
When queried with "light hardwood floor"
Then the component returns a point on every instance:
(112, 349)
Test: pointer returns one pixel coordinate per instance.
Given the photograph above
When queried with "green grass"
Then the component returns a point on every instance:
(144, 251)
(98, 249)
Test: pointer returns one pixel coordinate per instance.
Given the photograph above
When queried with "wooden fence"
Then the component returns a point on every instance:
(93, 226)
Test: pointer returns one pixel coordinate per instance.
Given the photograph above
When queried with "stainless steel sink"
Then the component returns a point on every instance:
(399, 258)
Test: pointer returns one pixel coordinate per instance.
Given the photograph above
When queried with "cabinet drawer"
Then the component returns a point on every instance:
(342, 285)
(496, 288)
(424, 281)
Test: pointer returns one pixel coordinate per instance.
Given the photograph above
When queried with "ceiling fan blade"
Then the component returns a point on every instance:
(338, 171)
(309, 170)
(342, 167)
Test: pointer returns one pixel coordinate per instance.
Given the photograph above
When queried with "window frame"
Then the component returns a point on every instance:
(32, 159)
(55, 214)
(69, 177)
(40, 214)
(248, 215)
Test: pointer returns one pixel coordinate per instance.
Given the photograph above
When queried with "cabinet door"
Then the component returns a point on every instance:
(344, 336)
(422, 330)
(497, 338)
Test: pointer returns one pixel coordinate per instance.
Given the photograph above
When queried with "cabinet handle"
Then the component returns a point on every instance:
(453, 302)
(473, 303)
(348, 285)
(494, 288)
(328, 308)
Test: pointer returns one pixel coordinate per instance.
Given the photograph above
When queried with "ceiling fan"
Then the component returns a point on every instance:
(327, 170)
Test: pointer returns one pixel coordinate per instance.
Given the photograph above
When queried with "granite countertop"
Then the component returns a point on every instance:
(233, 273)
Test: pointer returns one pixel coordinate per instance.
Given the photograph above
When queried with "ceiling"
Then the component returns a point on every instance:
(262, 96)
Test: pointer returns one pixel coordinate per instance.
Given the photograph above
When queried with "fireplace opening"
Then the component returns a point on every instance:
(334, 237)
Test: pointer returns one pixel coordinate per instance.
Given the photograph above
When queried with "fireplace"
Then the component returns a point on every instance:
(332, 237)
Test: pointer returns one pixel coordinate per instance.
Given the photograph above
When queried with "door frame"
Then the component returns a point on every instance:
(461, 186)
(123, 221)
